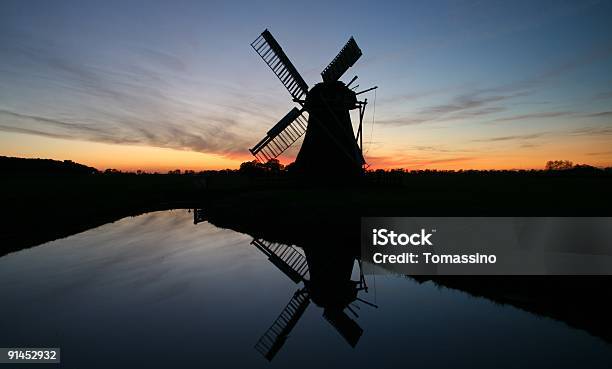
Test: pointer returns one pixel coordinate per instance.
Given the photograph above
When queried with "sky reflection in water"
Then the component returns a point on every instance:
(158, 291)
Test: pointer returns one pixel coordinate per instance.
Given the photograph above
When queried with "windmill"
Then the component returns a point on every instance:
(330, 146)
(326, 278)
(326, 282)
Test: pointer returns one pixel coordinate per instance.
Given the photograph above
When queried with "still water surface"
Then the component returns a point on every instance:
(158, 291)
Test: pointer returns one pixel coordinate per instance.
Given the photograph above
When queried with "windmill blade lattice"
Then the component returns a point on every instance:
(345, 59)
(275, 337)
(270, 51)
(284, 134)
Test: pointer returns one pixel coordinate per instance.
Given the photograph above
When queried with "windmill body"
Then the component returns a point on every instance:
(331, 147)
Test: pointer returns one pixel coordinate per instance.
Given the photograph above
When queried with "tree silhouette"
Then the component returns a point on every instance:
(559, 165)
(272, 166)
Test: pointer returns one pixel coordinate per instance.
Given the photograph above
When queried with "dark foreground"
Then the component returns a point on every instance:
(277, 208)
(43, 207)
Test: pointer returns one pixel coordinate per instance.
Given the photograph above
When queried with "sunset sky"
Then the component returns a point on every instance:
(174, 84)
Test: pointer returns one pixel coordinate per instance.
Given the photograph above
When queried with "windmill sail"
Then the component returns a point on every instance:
(281, 136)
(286, 258)
(273, 340)
(347, 327)
(270, 51)
(345, 59)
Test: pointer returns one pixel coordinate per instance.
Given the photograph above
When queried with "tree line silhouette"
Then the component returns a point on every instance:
(27, 166)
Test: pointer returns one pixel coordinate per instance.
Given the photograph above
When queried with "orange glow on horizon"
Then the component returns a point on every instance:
(153, 159)
(122, 157)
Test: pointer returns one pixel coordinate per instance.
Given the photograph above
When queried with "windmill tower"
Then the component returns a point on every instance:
(330, 147)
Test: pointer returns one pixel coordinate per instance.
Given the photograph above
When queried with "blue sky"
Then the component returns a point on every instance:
(471, 84)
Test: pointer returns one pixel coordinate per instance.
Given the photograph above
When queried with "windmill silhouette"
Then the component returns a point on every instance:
(330, 146)
(325, 274)
(326, 282)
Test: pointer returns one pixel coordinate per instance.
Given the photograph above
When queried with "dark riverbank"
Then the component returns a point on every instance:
(42, 206)
(275, 207)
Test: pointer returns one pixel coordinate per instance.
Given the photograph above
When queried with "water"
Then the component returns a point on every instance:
(158, 291)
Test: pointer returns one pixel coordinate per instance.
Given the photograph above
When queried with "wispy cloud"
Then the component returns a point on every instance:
(597, 114)
(553, 114)
(595, 131)
(464, 106)
(496, 99)
(122, 103)
(438, 149)
(164, 59)
(134, 132)
(536, 115)
(603, 96)
(585, 131)
(415, 95)
(512, 137)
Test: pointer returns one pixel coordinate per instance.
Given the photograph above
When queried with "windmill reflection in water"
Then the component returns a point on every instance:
(325, 278)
